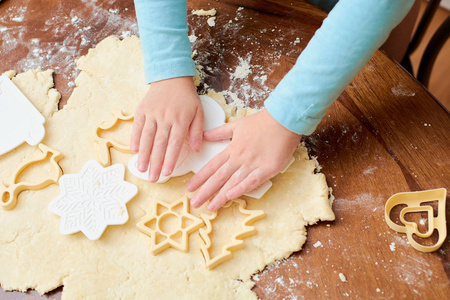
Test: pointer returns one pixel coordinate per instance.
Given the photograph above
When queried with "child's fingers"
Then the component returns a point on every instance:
(175, 143)
(136, 131)
(158, 152)
(253, 180)
(209, 169)
(213, 184)
(196, 130)
(221, 198)
(146, 143)
(220, 133)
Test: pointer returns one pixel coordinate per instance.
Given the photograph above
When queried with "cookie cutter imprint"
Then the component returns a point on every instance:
(161, 238)
(413, 201)
(104, 144)
(237, 242)
(10, 195)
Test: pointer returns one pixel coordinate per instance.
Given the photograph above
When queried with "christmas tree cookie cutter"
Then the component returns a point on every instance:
(105, 144)
(413, 201)
(156, 223)
(93, 199)
(20, 121)
(237, 241)
(10, 194)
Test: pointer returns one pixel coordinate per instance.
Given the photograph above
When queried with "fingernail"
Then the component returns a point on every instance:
(141, 167)
(198, 144)
(212, 207)
(194, 202)
(166, 172)
(153, 178)
(229, 195)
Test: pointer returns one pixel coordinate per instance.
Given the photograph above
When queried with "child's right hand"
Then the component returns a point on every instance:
(169, 112)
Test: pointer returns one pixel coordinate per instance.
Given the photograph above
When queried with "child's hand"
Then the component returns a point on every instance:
(170, 111)
(260, 148)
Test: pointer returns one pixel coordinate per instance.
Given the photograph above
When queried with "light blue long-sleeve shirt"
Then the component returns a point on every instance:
(338, 51)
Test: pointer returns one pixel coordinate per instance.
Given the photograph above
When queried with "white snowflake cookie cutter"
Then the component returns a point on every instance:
(93, 199)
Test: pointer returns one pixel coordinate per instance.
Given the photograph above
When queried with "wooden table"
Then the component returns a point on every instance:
(385, 134)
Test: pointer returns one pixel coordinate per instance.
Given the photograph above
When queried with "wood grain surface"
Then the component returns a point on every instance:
(385, 134)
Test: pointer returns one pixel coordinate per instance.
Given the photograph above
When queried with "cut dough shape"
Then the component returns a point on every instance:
(10, 193)
(93, 199)
(20, 121)
(191, 161)
(237, 241)
(163, 235)
(34, 255)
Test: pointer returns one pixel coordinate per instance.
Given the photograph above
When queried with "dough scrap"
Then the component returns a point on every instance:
(34, 255)
(202, 12)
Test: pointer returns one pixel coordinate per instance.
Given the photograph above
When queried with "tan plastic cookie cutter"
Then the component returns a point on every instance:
(104, 144)
(413, 201)
(237, 242)
(161, 237)
(11, 192)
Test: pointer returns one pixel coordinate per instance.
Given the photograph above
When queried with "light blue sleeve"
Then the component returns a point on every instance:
(164, 38)
(338, 51)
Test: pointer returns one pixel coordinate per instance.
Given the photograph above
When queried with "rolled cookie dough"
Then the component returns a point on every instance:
(34, 255)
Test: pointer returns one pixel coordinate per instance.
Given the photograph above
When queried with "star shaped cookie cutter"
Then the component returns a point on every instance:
(413, 202)
(157, 225)
(237, 242)
(10, 194)
(105, 144)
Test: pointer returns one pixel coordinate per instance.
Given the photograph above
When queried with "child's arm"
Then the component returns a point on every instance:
(171, 110)
(339, 50)
(346, 41)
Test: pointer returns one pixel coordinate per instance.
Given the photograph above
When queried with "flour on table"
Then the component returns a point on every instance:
(192, 38)
(34, 255)
(243, 69)
(342, 277)
(211, 21)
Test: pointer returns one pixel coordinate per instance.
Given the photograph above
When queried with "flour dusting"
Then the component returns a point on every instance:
(401, 90)
(71, 36)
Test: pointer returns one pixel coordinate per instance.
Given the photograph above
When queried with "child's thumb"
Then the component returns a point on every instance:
(224, 132)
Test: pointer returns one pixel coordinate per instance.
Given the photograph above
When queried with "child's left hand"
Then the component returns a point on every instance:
(260, 148)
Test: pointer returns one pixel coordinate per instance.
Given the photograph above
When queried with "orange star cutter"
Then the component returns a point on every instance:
(413, 201)
(167, 225)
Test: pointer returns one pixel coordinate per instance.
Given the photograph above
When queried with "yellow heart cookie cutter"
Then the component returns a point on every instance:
(104, 144)
(413, 201)
(11, 193)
